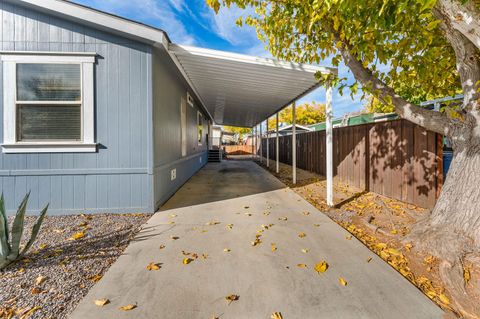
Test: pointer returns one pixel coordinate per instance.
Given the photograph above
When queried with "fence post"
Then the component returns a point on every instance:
(276, 147)
(329, 145)
(294, 144)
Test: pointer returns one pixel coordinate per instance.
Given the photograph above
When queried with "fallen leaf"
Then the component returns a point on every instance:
(248, 214)
(429, 259)
(153, 266)
(226, 250)
(187, 260)
(246, 207)
(257, 241)
(301, 235)
(173, 215)
(40, 280)
(229, 226)
(30, 312)
(342, 281)
(266, 213)
(128, 307)
(369, 259)
(162, 246)
(77, 236)
(466, 274)
(306, 213)
(283, 218)
(35, 291)
(276, 315)
(348, 237)
(444, 299)
(171, 222)
(174, 237)
(274, 247)
(304, 251)
(212, 223)
(321, 267)
(95, 278)
(204, 256)
(408, 246)
(232, 298)
(102, 302)
(316, 225)
(301, 265)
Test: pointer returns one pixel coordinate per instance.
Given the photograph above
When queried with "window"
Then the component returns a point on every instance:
(189, 99)
(48, 102)
(200, 127)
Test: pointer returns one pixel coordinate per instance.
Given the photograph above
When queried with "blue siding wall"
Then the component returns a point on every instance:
(169, 87)
(115, 179)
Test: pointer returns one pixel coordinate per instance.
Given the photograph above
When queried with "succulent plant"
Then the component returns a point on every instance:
(10, 245)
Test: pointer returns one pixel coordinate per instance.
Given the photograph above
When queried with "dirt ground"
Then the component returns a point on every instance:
(382, 224)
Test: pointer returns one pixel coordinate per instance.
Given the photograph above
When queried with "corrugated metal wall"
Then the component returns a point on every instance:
(115, 179)
(169, 87)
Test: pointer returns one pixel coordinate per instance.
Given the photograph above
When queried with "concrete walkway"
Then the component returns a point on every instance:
(266, 281)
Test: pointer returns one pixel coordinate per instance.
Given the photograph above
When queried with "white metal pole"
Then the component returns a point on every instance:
(253, 132)
(261, 144)
(294, 144)
(329, 136)
(268, 146)
(277, 169)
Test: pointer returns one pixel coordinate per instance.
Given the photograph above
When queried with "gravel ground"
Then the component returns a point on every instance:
(58, 270)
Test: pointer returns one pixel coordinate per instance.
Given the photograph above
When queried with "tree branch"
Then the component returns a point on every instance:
(466, 52)
(431, 120)
(465, 18)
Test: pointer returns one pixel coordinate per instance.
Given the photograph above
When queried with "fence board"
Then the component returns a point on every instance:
(397, 158)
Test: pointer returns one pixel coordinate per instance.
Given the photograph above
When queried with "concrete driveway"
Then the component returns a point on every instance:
(227, 205)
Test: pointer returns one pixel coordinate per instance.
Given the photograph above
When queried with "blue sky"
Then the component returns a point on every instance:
(191, 22)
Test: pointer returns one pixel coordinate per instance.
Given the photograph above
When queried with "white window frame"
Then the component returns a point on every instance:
(10, 140)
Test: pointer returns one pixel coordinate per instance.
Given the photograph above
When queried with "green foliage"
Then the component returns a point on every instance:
(10, 247)
(400, 42)
(374, 105)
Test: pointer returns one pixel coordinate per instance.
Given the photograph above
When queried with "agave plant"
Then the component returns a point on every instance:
(10, 247)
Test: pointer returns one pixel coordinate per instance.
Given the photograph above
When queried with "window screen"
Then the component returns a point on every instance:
(48, 101)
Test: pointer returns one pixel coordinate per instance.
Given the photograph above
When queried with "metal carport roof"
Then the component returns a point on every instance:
(242, 90)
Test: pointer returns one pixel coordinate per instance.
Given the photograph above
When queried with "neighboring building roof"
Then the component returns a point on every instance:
(235, 89)
(356, 120)
(297, 127)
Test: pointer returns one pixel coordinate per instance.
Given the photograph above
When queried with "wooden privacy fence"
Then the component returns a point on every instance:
(238, 149)
(397, 158)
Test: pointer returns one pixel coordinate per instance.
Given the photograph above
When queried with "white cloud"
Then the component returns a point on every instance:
(159, 13)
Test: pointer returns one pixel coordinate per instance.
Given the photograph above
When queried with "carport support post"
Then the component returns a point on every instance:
(252, 141)
(261, 143)
(276, 147)
(268, 147)
(329, 143)
(294, 144)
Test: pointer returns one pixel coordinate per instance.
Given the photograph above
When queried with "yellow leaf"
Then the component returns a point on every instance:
(95, 278)
(316, 225)
(231, 298)
(306, 213)
(304, 251)
(466, 274)
(257, 241)
(187, 260)
(174, 237)
(301, 235)
(77, 236)
(226, 250)
(102, 302)
(162, 246)
(276, 315)
(40, 280)
(128, 307)
(321, 267)
(274, 247)
(408, 246)
(444, 299)
(29, 312)
(173, 215)
(283, 218)
(348, 237)
(229, 226)
(342, 281)
(301, 265)
(153, 266)
(213, 222)
(369, 259)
